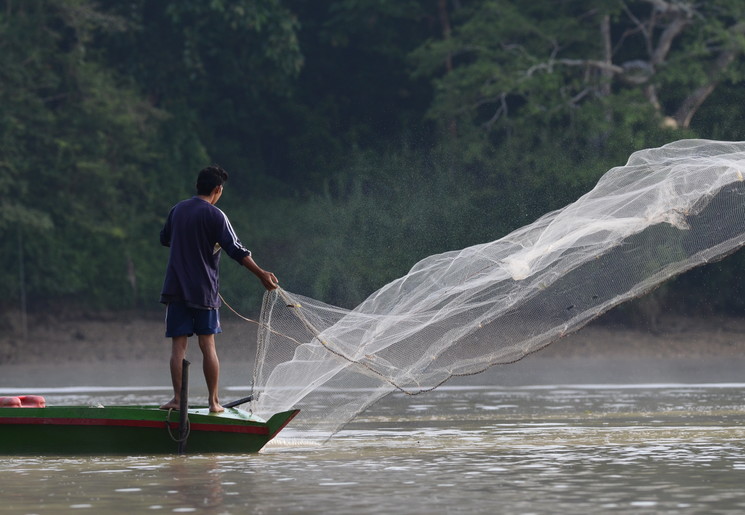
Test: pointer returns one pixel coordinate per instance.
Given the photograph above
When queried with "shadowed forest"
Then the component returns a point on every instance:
(361, 135)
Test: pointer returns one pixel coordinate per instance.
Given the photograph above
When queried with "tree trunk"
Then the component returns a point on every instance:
(690, 105)
(442, 11)
(22, 281)
(606, 73)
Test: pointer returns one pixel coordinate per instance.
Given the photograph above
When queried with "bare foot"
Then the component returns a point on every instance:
(172, 404)
(216, 408)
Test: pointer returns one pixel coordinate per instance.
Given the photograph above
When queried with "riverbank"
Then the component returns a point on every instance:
(98, 337)
(91, 337)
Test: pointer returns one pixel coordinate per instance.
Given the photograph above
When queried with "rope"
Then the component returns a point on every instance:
(168, 427)
(235, 312)
(258, 323)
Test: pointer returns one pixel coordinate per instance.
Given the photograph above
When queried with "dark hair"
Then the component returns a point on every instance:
(210, 178)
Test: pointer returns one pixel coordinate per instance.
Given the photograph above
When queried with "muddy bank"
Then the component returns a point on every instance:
(98, 337)
(87, 337)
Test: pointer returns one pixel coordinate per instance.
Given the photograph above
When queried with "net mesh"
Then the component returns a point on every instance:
(458, 313)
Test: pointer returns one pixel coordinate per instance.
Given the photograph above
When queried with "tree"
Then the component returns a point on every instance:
(76, 142)
(546, 60)
(220, 68)
(549, 95)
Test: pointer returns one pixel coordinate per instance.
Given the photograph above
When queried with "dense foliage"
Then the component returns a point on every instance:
(361, 135)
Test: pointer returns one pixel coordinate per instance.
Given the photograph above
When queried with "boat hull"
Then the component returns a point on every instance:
(132, 430)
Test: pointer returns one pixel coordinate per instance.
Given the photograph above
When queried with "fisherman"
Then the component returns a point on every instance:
(196, 231)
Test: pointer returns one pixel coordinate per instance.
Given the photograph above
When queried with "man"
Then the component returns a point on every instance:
(196, 231)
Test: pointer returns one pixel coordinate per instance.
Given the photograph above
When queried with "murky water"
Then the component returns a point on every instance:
(584, 448)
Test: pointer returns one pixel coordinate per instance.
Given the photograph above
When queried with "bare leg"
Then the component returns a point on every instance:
(178, 353)
(211, 367)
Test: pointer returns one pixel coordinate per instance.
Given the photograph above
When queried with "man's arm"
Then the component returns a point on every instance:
(268, 279)
(230, 243)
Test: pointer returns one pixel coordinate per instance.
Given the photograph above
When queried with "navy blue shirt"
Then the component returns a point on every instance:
(196, 231)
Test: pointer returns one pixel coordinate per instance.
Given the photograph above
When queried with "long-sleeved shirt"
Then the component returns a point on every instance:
(195, 231)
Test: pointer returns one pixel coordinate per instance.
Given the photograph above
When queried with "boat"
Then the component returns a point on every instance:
(29, 427)
(133, 430)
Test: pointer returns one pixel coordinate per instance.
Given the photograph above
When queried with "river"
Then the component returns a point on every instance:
(511, 443)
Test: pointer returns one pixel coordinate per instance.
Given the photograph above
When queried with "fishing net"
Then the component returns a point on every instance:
(458, 313)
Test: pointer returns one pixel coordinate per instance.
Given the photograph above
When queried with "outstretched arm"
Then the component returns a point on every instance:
(268, 279)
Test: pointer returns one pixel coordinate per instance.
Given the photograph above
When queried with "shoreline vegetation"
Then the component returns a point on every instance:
(98, 337)
(360, 137)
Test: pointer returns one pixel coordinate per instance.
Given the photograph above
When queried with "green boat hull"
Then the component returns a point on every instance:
(132, 430)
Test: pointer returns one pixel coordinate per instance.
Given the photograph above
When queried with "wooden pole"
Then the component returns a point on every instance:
(184, 408)
(233, 404)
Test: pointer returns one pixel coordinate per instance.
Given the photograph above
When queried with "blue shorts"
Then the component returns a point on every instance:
(181, 320)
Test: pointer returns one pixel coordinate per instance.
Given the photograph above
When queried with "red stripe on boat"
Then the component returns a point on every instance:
(221, 428)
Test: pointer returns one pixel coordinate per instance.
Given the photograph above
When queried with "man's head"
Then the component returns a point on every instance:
(210, 178)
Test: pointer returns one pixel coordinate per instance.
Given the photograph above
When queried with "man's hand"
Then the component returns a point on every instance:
(268, 279)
